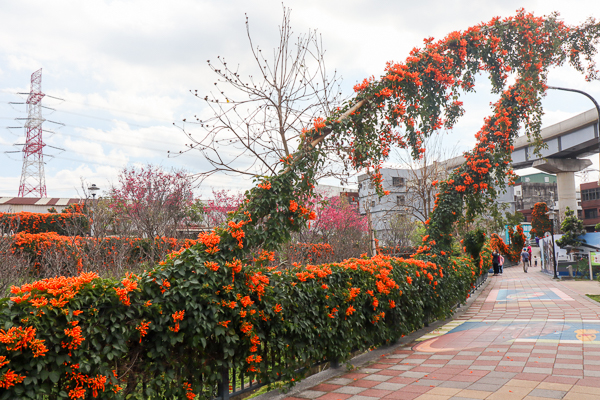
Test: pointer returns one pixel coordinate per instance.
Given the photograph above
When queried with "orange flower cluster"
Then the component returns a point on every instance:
(142, 328)
(246, 301)
(76, 338)
(84, 382)
(19, 338)
(35, 223)
(213, 266)
(266, 185)
(177, 316)
(9, 378)
(210, 240)
(235, 229)
(129, 285)
(189, 393)
(318, 124)
(257, 283)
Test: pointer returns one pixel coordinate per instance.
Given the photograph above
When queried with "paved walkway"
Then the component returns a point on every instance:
(525, 337)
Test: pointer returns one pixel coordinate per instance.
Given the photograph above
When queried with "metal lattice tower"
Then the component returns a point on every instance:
(33, 180)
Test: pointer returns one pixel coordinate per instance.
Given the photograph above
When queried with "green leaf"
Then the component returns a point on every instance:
(54, 376)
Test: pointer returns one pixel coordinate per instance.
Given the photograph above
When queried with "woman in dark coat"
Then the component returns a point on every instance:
(496, 262)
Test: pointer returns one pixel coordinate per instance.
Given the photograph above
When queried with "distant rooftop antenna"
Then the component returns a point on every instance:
(33, 179)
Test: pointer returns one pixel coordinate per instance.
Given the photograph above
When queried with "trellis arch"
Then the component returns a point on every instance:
(422, 94)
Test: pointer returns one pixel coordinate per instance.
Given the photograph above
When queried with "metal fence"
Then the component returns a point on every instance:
(235, 383)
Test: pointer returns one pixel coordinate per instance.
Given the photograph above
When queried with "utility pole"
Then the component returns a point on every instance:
(372, 245)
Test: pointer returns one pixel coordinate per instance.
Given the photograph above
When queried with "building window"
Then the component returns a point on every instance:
(397, 181)
(591, 213)
(399, 200)
(547, 179)
(590, 194)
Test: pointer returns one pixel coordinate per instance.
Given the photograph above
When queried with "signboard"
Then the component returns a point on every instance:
(594, 259)
(526, 231)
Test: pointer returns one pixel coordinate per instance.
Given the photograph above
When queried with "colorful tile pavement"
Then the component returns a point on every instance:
(524, 337)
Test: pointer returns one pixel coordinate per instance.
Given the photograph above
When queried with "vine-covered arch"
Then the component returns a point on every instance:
(414, 99)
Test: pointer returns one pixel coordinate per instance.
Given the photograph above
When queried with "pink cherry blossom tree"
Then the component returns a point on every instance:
(151, 202)
(338, 224)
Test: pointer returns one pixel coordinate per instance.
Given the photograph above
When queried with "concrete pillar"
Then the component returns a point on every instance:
(565, 182)
(565, 169)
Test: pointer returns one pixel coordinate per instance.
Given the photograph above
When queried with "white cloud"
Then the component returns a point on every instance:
(125, 68)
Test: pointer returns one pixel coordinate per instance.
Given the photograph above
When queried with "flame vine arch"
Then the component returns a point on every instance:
(414, 99)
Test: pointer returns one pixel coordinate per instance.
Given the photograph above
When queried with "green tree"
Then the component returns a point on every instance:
(572, 228)
(540, 223)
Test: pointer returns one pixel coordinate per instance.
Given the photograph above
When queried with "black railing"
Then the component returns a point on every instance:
(235, 383)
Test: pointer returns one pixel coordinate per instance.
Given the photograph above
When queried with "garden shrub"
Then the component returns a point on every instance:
(61, 223)
(473, 243)
(51, 254)
(195, 314)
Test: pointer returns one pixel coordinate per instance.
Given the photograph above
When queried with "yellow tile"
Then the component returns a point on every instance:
(554, 386)
(507, 392)
(522, 383)
(534, 398)
(473, 394)
(580, 396)
(584, 389)
(428, 396)
(444, 391)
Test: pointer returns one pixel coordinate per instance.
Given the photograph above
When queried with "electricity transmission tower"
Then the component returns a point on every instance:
(33, 179)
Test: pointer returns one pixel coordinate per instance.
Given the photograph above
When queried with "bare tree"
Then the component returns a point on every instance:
(398, 233)
(436, 165)
(14, 266)
(257, 120)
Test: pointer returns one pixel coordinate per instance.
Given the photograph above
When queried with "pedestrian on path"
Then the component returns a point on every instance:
(525, 258)
(496, 262)
(501, 264)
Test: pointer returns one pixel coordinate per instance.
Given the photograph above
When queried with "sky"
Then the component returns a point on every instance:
(123, 71)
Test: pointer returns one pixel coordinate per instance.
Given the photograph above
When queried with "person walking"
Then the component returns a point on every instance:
(529, 251)
(496, 262)
(501, 264)
(525, 258)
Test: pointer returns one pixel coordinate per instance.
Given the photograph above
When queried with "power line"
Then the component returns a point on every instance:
(114, 110)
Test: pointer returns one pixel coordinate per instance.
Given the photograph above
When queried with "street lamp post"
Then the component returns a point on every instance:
(595, 104)
(551, 215)
(93, 189)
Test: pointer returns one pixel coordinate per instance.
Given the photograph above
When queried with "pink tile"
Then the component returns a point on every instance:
(376, 393)
(334, 396)
(326, 387)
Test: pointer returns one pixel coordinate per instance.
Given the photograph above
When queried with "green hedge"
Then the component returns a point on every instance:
(202, 316)
(67, 224)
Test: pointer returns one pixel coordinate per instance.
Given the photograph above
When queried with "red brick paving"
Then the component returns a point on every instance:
(516, 320)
